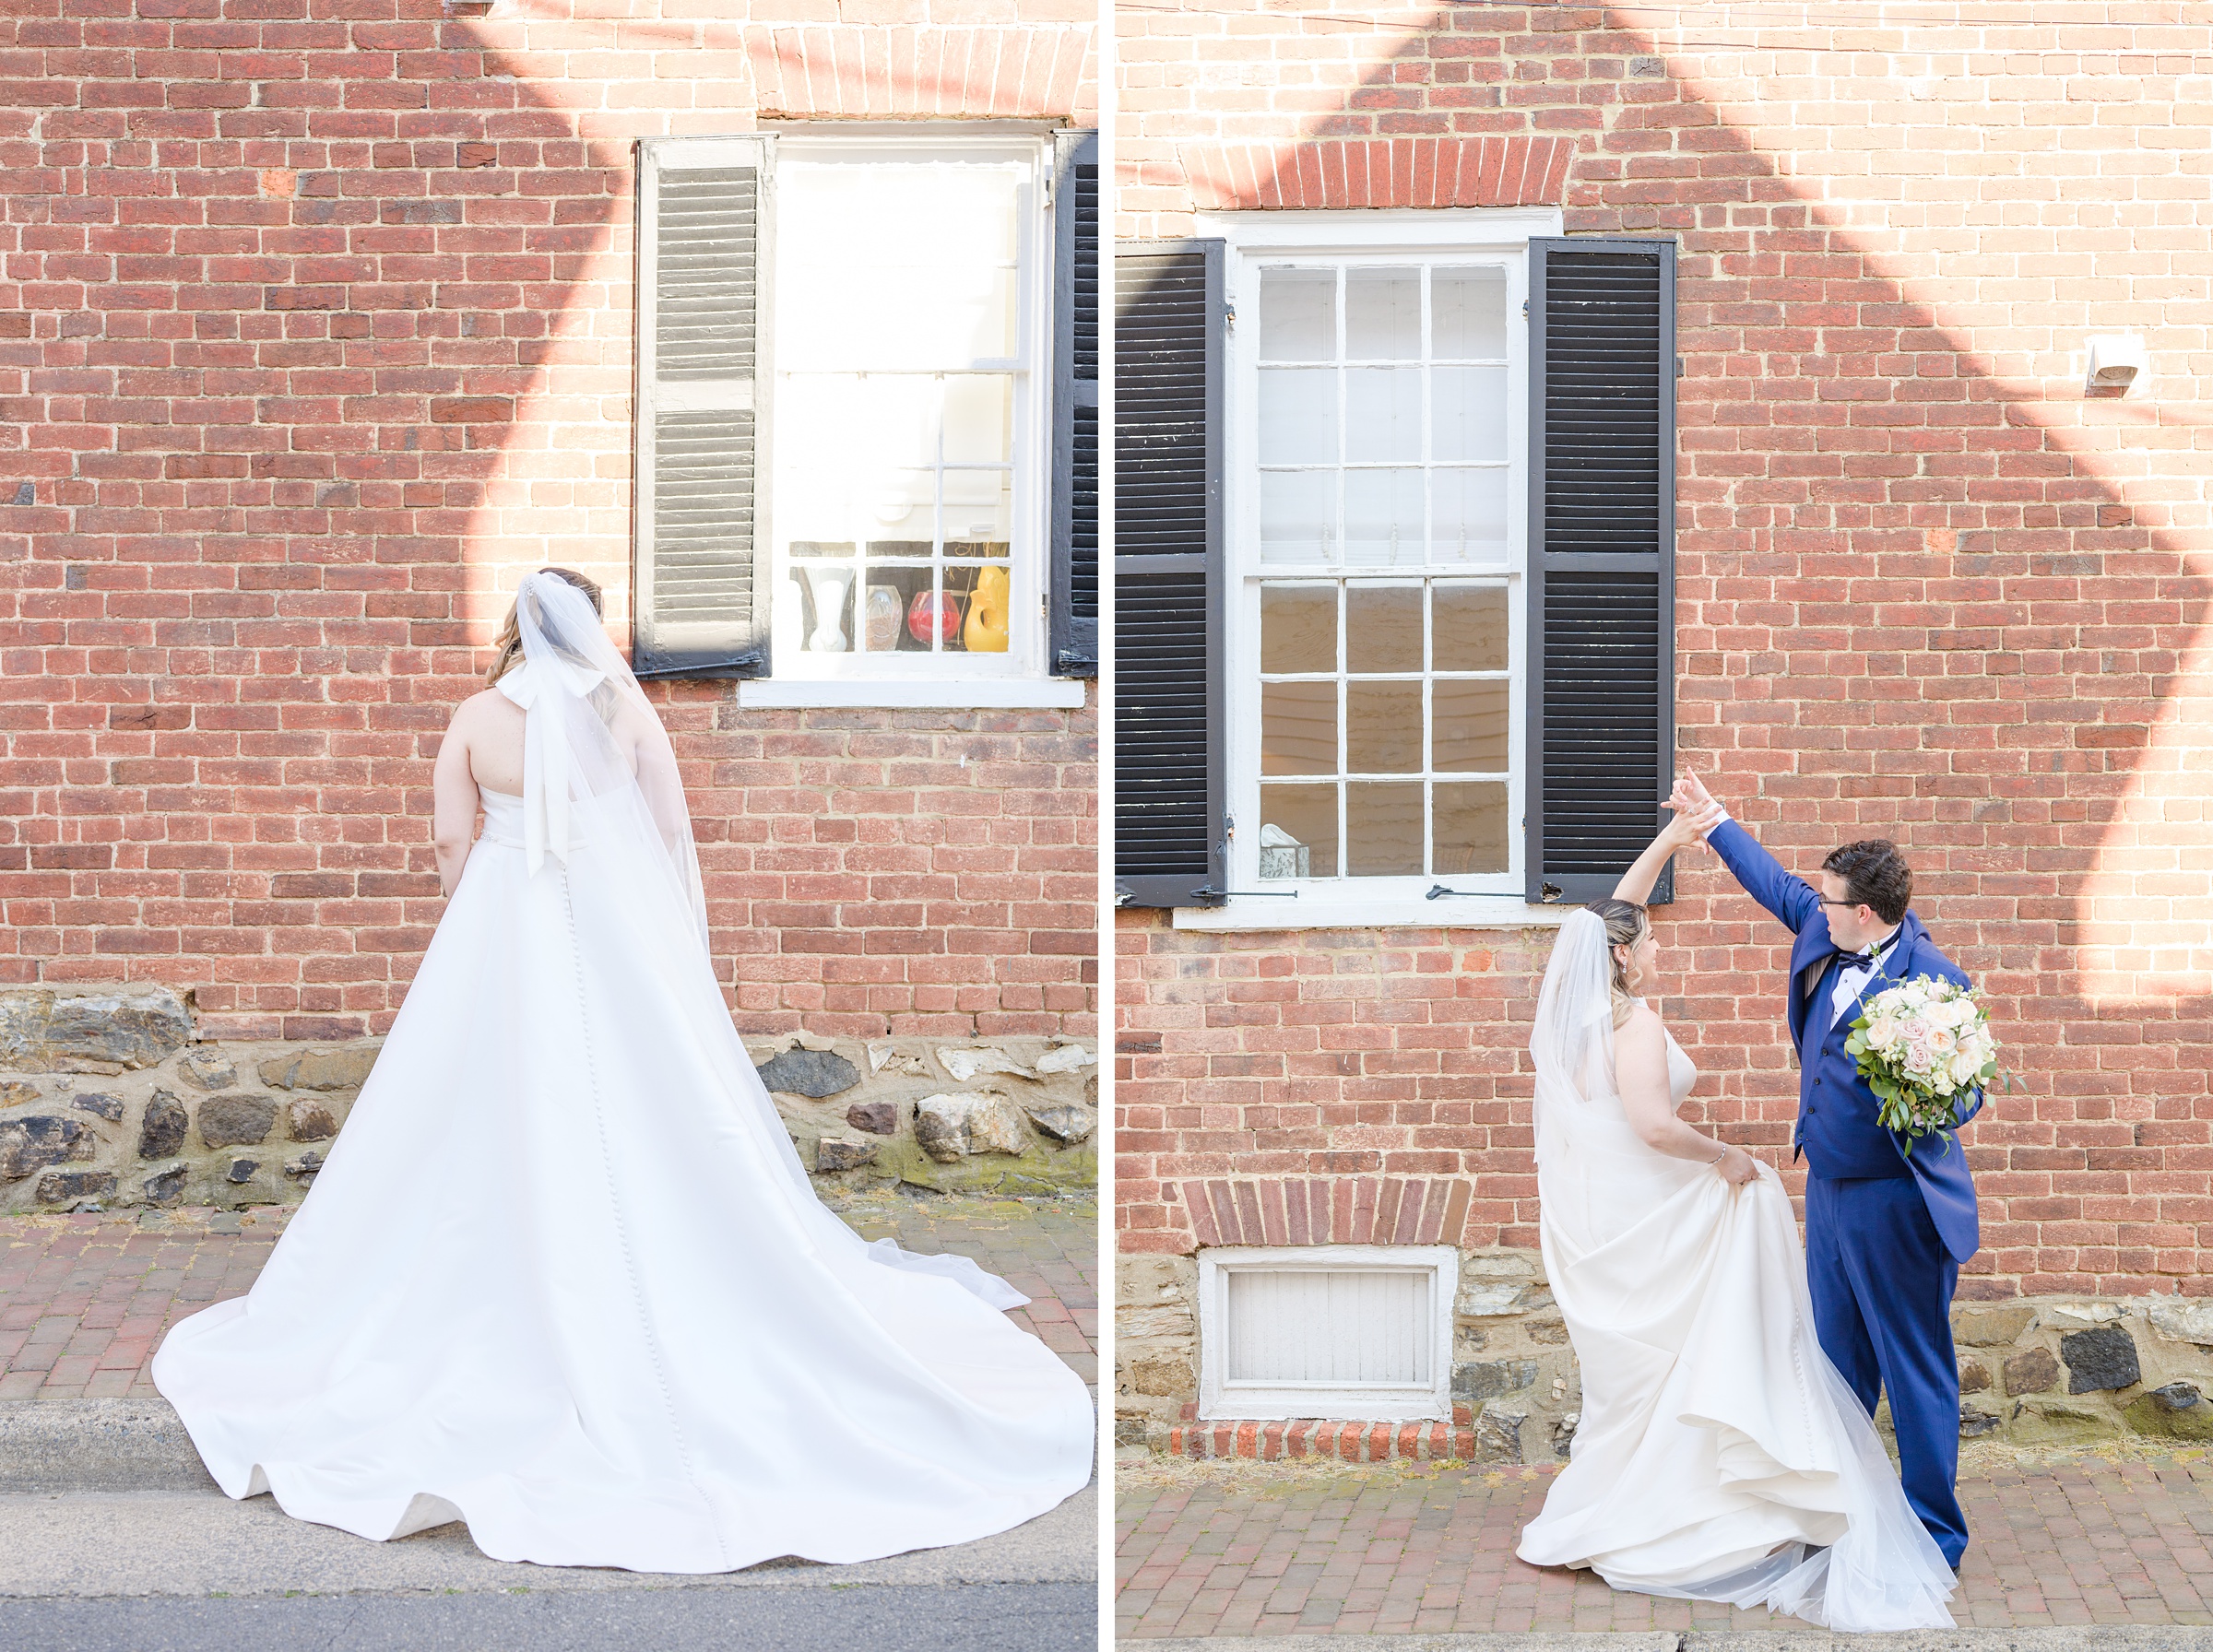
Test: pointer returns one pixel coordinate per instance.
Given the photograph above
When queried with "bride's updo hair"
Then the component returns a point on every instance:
(510, 640)
(1626, 924)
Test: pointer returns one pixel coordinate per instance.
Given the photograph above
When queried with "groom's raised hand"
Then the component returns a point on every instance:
(1690, 795)
(1690, 822)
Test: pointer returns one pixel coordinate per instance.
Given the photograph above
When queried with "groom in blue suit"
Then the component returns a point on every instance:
(1889, 1219)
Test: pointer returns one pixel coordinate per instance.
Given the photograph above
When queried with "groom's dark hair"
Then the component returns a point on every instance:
(1874, 875)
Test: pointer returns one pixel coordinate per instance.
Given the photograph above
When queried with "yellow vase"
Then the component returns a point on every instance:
(986, 631)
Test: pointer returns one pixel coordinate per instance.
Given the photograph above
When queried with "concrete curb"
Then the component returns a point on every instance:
(2096, 1637)
(97, 1445)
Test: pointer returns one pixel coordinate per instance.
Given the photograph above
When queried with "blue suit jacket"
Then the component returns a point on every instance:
(1837, 1112)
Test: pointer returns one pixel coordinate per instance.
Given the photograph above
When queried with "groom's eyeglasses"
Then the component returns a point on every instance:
(1826, 902)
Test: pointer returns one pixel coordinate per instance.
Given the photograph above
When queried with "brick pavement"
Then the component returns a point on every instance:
(1398, 1549)
(86, 1299)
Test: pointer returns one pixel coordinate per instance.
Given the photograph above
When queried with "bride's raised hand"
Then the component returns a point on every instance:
(1689, 823)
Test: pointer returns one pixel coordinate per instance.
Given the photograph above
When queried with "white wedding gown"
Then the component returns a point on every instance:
(562, 1277)
(1717, 1444)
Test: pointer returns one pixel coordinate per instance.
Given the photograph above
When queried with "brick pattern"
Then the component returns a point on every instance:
(1324, 1210)
(1926, 589)
(2071, 1545)
(314, 334)
(1319, 1439)
(86, 1300)
(1380, 171)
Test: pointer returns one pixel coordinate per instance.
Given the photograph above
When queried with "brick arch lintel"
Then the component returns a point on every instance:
(1380, 171)
(1379, 1209)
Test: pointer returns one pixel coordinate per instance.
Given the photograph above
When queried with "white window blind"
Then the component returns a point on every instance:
(1339, 1328)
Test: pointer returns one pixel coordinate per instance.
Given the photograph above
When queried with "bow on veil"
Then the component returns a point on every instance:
(591, 738)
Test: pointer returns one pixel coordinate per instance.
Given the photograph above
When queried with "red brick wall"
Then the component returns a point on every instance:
(1926, 588)
(316, 327)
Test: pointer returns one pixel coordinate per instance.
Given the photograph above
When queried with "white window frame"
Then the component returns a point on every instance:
(1255, 240)
(1019, 678)
(1222, 1400)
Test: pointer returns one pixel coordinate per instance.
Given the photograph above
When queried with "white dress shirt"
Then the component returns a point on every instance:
(1856, 973)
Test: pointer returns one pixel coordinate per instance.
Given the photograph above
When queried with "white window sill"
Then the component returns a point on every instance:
(1462, 912)
(1052, 693)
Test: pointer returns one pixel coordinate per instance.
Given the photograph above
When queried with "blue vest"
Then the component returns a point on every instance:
(1837, 1118)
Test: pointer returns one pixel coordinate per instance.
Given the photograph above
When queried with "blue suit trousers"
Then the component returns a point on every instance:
(1882, 1286)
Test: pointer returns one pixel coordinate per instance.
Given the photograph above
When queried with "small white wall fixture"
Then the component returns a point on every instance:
(1360, 1332)
(2119, 363)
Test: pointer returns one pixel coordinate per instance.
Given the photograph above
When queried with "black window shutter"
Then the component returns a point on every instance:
(1601, 599)
(1171, 797)
(1075, 576)
(698, 608)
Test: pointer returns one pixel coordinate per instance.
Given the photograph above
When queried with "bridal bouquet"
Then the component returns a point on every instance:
(1922, 1047)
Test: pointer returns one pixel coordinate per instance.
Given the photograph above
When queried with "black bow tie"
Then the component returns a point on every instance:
(1874, 955)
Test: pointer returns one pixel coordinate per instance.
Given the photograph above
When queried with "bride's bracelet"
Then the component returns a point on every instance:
(1720, 1156)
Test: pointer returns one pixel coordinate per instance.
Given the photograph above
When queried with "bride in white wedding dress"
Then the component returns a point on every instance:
(1719, 1455)
(562, 1276)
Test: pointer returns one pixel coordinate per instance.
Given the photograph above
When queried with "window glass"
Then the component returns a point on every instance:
(898, 396)
(1391, 703)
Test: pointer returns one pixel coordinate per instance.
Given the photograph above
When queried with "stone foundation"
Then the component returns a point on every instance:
(2034, 1370)
(109, 1099)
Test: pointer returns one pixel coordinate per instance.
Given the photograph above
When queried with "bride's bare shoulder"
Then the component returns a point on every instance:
(1644, 1025)
(480, 708)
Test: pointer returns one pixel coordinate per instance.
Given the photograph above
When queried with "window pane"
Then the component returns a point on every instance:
(1471, 827)
(1383, 727)
(1469, 627)
(1384, 827)
(1306, 815)
(1469, 405)
(894, 265)
(1467, 310)
(1298, 315)
(979, 512)
(1299, 728)
(1383, 518)
(1298, 517)
(1469, 525)
(979, 418)
(1469, 732)
(1298, 416)
(1383, 315)
(1298, 628)
(1383, 627)
(1382, 413)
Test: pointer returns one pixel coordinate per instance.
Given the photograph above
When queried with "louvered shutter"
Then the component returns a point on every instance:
(1602, 326)
(1075, 581)
(1171, 797)
(702, 230)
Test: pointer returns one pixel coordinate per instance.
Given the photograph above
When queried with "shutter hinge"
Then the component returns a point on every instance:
(1678, 367)
(1208, 892)
(1229, 318)
(1525, 309)
(1047, 191)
